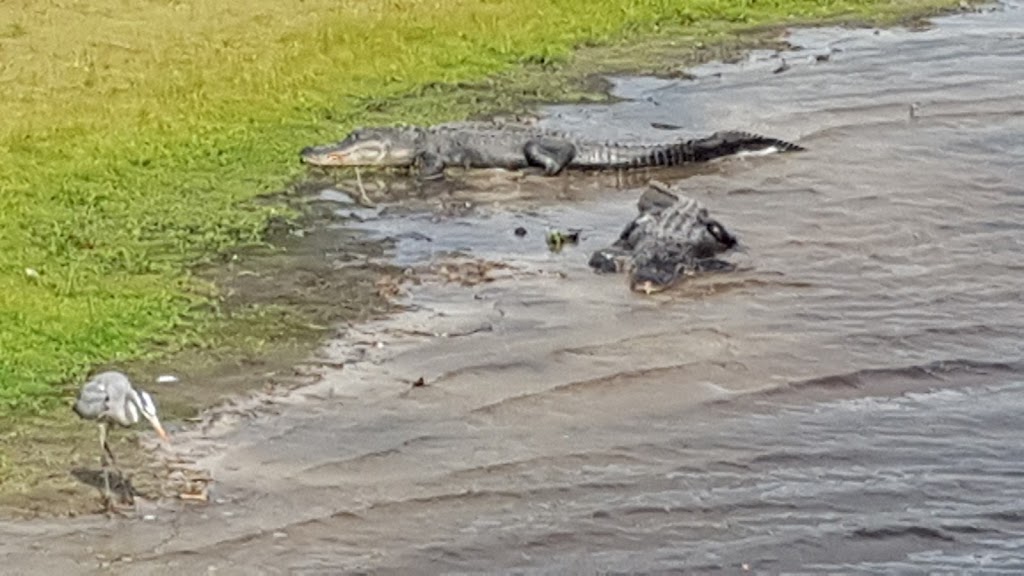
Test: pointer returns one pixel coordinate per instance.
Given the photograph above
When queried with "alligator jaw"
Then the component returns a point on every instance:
(648, 287)
(366, 147)
(655, 276)
(322, 156)
(332, 156)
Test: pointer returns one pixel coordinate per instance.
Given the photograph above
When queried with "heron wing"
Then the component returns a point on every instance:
(91, 404)
(93, 400)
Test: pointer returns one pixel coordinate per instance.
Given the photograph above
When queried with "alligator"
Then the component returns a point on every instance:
(673, 235)
(520, 146)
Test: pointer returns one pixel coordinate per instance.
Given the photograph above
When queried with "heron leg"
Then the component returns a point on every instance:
(106, 447)
(105, 464)
(125, 488)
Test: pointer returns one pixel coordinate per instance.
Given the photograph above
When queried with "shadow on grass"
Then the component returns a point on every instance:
(120, 485)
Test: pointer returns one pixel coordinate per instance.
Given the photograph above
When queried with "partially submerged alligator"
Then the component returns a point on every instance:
(519, 146)
(673, 235)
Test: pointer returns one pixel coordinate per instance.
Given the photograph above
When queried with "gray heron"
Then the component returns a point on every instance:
(109, 398)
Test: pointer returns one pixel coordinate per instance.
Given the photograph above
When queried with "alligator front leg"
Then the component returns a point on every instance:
(431, 166)
(609, 260)
(552, 154)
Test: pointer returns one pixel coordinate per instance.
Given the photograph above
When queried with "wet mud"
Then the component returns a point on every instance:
(846, 401)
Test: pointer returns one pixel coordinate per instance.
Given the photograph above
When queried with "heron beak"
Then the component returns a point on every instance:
(159, 428)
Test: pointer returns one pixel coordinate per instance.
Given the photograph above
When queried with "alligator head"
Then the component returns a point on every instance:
(659, 260)
(389, 146)
(671, 234)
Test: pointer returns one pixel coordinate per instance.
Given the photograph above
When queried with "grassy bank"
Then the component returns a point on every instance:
(135, 133)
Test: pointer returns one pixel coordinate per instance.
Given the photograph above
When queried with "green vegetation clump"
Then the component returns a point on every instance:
(135, 136)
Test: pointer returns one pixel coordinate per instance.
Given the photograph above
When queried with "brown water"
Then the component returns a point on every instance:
(847, 402)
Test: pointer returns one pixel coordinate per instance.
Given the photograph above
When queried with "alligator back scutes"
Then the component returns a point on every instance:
(488, 130)
(667, 152)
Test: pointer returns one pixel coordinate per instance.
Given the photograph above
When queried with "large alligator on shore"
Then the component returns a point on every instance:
(520, 146)
(673, 235)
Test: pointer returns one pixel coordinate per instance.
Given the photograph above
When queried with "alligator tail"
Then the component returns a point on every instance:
(717, 145)
(748, 142)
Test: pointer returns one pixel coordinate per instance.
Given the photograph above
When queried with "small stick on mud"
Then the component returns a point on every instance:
(362, 190)
(418, 383)
(203, 496)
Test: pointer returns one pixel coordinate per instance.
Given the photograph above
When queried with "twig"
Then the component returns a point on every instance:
(362, 190)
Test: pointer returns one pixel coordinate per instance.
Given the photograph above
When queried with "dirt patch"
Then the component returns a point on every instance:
(278, 301)
(68, 451)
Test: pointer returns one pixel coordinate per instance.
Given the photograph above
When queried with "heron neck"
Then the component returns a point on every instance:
(134, 405)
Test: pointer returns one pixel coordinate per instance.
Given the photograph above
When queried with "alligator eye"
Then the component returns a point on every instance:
(715, 230)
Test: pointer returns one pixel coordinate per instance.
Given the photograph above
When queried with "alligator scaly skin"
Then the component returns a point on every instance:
(672, 235)
(519, 146)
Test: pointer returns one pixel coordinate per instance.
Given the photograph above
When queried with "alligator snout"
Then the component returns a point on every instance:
(314, 156)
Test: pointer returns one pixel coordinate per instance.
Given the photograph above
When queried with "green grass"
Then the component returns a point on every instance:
(135, 133)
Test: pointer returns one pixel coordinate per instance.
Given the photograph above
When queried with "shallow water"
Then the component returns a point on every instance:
(846, 402)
